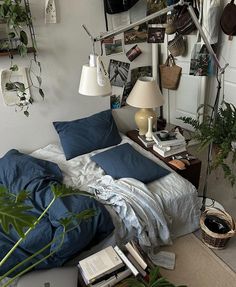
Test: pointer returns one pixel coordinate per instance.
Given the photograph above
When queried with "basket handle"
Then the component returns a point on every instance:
(228, 216)
(170, 61)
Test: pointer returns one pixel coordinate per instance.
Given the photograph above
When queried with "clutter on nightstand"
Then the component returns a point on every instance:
(168, 143)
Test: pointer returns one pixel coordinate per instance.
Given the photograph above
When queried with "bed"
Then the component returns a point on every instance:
(155, 211)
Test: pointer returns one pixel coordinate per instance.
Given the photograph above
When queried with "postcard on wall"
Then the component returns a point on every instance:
(145, 71)
(127, 90)
(116, 47)
(115, 99)
(118, 72)
(133, 53)
(156, 35)
(136, 35)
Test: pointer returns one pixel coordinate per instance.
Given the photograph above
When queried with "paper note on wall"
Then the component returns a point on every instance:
(50, 12)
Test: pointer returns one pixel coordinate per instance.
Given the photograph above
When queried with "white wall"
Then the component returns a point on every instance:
(63, 49)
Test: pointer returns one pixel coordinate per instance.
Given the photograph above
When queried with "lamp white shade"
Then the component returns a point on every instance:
(145, 94)
(89, 83)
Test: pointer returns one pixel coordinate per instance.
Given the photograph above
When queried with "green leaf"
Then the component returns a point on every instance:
(22, 196)
(14, 214)
(85, 214)
(26, 113)
(154, 275)
(10, 87)
(63, 190)
(11, 35)
(41, 93)
(133, 282)
(14, 68)
(23, 37)
(22, 50)
(39, 80)
(20, 86)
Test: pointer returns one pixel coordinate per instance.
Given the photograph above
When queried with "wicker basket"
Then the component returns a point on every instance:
(212, 239)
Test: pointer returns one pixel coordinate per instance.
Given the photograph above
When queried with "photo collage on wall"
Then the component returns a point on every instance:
(121, 75)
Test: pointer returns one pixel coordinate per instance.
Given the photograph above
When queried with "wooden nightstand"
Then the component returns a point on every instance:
(191, 173)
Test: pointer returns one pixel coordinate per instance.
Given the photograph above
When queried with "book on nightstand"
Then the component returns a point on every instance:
(172, 139)
(145, 142)
(170, 150)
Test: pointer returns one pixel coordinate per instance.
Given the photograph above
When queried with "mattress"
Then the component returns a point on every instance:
(179, 197)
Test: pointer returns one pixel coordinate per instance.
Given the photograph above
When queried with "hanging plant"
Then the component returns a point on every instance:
(18, 19)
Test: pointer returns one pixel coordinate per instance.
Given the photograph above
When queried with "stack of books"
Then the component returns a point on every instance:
(145, 142)
(111, 265)
(172, 144)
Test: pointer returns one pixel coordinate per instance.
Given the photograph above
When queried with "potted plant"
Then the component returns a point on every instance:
(217, 129)
(15, 213)
(154, 280)
(17, 17)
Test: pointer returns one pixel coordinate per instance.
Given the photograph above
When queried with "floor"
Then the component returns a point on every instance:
(219, 189)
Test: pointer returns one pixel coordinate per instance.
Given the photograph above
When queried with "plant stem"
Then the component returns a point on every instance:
(36, 263)
(38, 252)
(26, 233)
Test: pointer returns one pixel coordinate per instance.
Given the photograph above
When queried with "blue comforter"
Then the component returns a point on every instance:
(22, 172)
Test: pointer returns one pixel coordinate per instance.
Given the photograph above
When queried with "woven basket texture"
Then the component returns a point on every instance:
(212, 239)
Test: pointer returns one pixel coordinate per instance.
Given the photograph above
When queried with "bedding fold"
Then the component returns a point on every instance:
(140, 210)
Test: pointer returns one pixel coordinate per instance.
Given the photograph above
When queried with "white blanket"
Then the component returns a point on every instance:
(140, 210)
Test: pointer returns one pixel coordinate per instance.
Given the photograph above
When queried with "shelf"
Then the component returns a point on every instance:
(15, 52)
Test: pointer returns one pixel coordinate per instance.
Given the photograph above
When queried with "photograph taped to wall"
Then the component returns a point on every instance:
(136, 35)
(118, 72)
(145, 71)
(127, 90)
(201, 61)
(133, 53)
(156, 35)
(116, 47)
(115, 99)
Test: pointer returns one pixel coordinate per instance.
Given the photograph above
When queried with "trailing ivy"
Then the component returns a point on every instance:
(16, 16)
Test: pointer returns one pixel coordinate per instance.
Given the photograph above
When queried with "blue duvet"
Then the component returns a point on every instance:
(22, 172)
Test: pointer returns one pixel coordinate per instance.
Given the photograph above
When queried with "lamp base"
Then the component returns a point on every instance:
(141, 120)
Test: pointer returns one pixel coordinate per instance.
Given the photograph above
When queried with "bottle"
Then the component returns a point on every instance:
(149, 132)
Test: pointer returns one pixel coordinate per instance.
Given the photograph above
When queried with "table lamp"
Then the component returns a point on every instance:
(145, 95)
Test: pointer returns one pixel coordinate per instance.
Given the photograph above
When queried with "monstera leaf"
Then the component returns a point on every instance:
(13, 212)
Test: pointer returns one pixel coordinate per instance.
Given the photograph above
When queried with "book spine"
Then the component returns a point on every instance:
(113, 280)
(136, 265)
(136, 256)
(126, 261)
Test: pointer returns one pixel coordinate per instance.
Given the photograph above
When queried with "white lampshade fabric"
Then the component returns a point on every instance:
(145, 94)
(89, 83)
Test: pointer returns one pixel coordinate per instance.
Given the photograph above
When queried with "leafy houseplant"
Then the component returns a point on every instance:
(15, 212)
(219, 131)
(17, 17)
(155, 280)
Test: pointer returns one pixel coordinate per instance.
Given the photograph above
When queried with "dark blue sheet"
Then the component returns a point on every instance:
(22, 172)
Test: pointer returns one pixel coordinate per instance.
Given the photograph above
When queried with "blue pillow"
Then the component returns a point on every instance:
(125, 161)
(85, 135)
